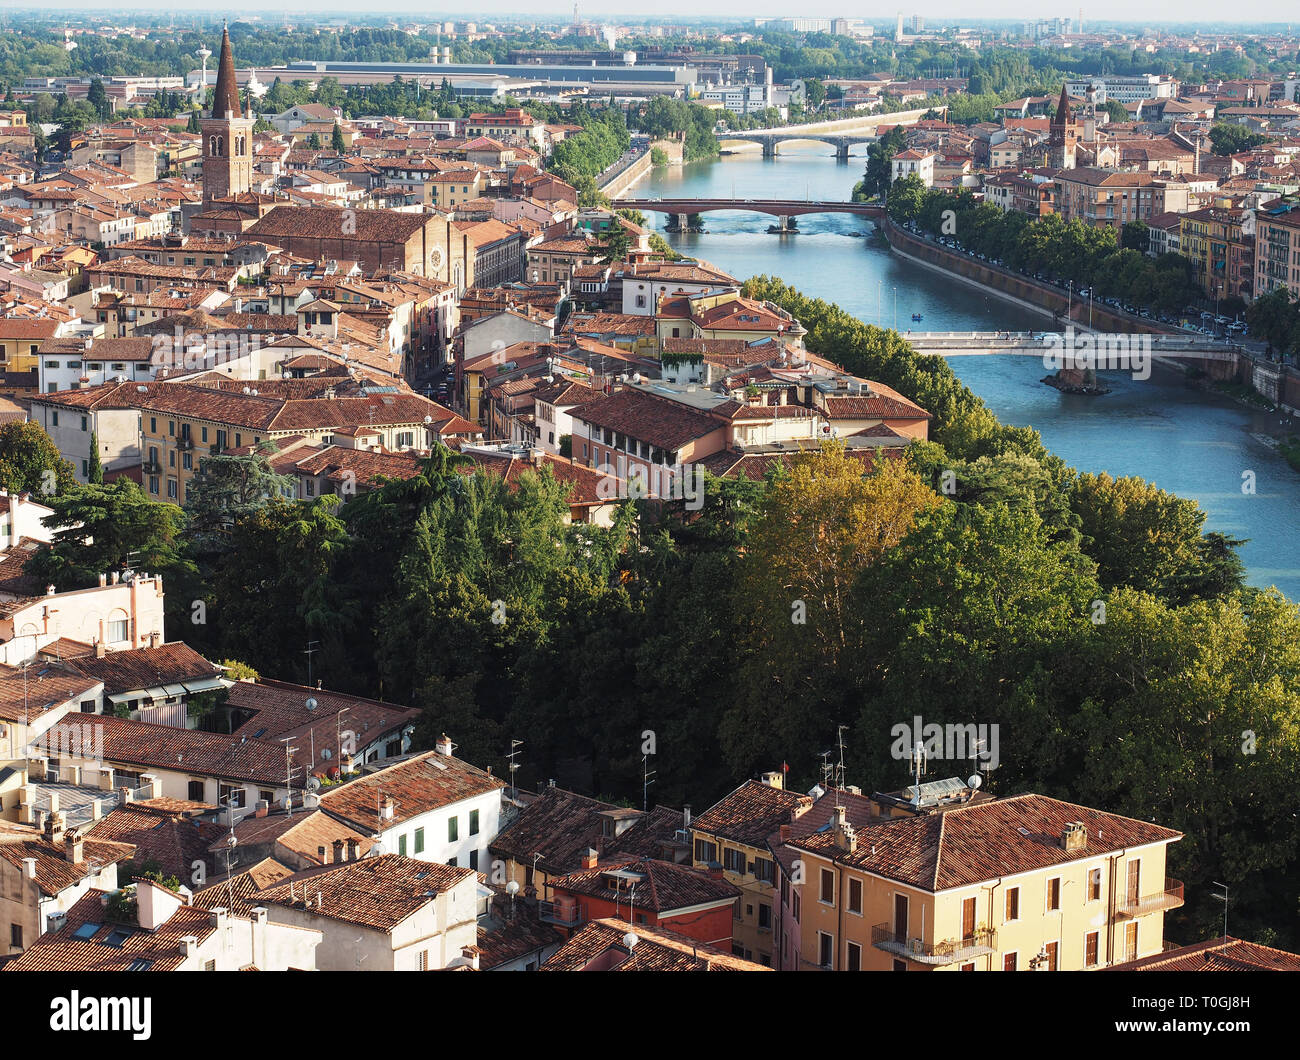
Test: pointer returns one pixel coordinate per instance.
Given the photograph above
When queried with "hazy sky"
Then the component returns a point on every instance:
(1139, 11)
(1127, 11)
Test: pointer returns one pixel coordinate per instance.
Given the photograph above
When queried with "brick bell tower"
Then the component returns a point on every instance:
(227, 136)
(1064, 135)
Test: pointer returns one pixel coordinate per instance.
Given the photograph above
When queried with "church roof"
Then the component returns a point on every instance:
(1063, 108)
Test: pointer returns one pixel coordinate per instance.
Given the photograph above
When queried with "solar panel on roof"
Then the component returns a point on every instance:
(86, 930)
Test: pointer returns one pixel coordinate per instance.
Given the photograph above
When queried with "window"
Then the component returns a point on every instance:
(733, 860)
(473, 860)
(1054, 893)
(451, 862)
(423, 964)
(764, 870)
(1094, 885)
(764, 915)
(196, 791)
(228, 794)
(401, 845)
(794, 906)
(828, 887)
(1009, 962)
(855, 896)
(825, 949)
(83, 423)
(153, 483)
(1131, 941)
(453, 829)
(16, 936)
(419, 840)
(1013, 904)
(54, 416)
(171, 487)
(119, 629)
(153, 424)
(1090, 950)
(1052, 950)
(473, 822)
(969, 967)
(854, 963)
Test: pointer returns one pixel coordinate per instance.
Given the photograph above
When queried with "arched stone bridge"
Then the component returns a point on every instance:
(770, 140)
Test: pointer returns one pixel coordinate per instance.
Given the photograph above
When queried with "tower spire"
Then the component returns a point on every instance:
(225, 99)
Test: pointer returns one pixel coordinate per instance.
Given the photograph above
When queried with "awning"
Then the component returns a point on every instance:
(205, 684)
(126, 697)
(155, 693)
(175, 690)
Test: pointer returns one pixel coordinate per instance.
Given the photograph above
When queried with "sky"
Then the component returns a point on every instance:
(1147, 12)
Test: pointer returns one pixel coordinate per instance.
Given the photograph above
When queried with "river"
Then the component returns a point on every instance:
(1185, 441)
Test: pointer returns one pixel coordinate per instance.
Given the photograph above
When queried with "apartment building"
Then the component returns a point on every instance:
(944, 879)
(1106, 197)
(1277, 246)
(732, 835)
(909, 162)
(1218, 243)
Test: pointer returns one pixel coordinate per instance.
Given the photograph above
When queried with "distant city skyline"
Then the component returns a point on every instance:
(1269, 11)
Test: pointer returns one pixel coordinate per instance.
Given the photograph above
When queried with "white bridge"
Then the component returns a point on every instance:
(1036, 343)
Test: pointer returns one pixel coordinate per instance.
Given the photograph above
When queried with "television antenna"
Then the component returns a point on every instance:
(647, 778)
(1224, 899)
(918, 763)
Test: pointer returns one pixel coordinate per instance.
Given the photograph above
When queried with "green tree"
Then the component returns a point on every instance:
(336, 139)
(95, 476)
(116, 527)
(313, 142)
(30, 462)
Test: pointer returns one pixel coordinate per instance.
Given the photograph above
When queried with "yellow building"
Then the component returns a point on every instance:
(733, 835)
(960, 883)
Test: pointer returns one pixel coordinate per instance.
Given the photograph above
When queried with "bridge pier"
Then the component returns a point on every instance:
(769, 148)
(683, 221)
(841, 150)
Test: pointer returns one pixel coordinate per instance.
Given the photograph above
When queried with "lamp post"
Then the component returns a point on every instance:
(1069, 299)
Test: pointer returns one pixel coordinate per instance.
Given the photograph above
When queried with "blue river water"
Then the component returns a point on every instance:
(1191, 443)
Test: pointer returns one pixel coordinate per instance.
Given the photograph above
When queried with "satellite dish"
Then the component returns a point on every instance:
(313, 784)
(630, 940)
(974, 781)
(512, 888)
(311, 703)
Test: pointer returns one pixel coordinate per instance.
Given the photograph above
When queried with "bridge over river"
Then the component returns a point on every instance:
(783, 209)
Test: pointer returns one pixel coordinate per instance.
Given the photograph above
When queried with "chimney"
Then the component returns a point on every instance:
(845, 836)
(686, 817)
(590, 858)
(74, 848)
(338, 851)
(470, 953)
(786, 832)
(100, 650)
(388, 808)
(352, 849)
(219, 916)
(103, 580)
(262, 808)
(113, 578)
(1074, 837)
(55, 824)
(444, 745)
(774, 779)
(29, 868)
(123, 796)
(153, 640)
(189, 946)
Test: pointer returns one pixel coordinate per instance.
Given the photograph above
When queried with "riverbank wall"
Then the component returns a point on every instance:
(617, 183)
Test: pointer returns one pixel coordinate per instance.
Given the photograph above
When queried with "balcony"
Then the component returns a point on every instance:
(1170, 898)
(948, 951)
(152, 467)
(547, 913)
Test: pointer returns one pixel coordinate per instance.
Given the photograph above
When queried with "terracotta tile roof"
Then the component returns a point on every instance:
(560, 825)
(326, 222)
(13, 580)
(877, 406)
(240, 892)
(652, 835)
(378, 892)
(54, 872)
(201, 753)
(126, 671)
(1216, 955)
(426, 782)
(510, 931)
(662, 888)
(172, 839)
(46, 688)
(751, 813)
(663, 423)
(64, 950)
(970, 844)
(273, 709)
(657, 950)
